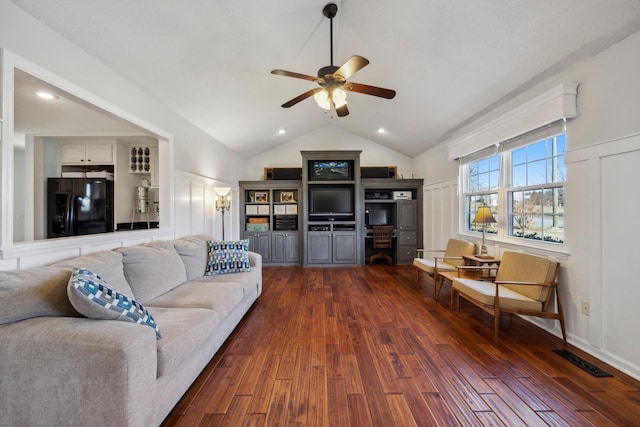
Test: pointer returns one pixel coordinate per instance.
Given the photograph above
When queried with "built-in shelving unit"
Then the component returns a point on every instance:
(394, 202)
(270, 217)
(325, 218)
(332, 212)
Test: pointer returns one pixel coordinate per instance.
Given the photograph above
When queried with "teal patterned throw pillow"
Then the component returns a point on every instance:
(227, 257)
(93, 298)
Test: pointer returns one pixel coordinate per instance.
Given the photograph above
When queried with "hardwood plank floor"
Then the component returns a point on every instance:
(368, 346)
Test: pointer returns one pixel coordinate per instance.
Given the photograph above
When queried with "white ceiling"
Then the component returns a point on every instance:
(448, 60)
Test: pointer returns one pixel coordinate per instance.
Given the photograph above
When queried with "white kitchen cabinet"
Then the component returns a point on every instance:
(87, 153)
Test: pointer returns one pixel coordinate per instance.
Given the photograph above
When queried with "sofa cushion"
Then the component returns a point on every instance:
(222, 297)
(249, 281)
(228, 257)
(152, 269)
(35, 292)
(92, 297)
(106, 264)
(193, 252)
(184, 331)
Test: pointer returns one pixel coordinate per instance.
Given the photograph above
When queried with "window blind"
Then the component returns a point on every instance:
(539, 134)
(480, 154)
(542, 133)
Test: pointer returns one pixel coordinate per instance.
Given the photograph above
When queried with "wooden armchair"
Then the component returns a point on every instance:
(450, 258)
(523, 285)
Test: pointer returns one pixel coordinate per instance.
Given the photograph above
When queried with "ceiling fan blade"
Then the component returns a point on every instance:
(352, 65)
(370, 90)
(299, 98)
(295, 75)
(342, 111)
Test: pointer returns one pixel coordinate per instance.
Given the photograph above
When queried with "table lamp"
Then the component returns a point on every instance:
(484, 217)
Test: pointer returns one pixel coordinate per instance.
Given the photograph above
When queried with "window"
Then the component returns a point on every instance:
(483, 182)
(530, 192)
(536, 197)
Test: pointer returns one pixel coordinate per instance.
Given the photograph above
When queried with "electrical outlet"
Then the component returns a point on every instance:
(584, 308)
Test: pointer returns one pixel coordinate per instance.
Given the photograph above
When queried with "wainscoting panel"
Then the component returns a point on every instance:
(440, 214)
(620, 267)
(607, 206)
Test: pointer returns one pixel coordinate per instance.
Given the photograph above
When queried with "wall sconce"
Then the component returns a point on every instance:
(223, 204)
(484, 217)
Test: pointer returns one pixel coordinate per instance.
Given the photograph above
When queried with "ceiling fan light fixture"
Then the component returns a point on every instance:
(339, 97)
(322, 99)
(333, 80)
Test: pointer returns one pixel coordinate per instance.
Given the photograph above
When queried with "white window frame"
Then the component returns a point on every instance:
(556, 103)
(548, 185)
(502, 212)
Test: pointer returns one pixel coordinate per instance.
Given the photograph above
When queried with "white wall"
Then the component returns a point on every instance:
(329, 137)
(196, 209)
(600, 210)
(193, 151)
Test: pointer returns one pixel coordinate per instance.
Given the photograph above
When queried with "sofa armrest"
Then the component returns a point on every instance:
(74, 371)
(255, 259)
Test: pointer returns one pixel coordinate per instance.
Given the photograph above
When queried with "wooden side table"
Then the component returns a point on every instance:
(482, 273)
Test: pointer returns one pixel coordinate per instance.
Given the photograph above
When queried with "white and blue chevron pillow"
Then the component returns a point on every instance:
(227, 257)
(93, 298)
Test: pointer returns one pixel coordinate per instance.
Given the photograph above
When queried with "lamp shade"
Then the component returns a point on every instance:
(484, 216)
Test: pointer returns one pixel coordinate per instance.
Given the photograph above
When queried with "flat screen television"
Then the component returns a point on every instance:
(330, 203)
(331, 170)
(377, 217)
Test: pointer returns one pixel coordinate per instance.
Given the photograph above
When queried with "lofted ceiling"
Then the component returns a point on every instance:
(448, 60)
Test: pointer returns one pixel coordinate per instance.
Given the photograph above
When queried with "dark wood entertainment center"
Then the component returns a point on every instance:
(325, 218)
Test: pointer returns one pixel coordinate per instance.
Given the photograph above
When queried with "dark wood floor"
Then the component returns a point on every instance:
(369, 347)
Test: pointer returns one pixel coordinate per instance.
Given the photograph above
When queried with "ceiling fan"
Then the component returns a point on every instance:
(334, 86)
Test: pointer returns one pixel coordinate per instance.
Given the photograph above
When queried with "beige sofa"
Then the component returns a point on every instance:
(60, 368)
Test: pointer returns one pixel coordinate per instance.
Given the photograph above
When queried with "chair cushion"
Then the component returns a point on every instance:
(519, 267)
(457, 248)
(429, 265)
(228, 257)
(93, 298)
(484, 293)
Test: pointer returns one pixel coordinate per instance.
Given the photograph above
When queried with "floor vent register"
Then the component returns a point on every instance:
(582, 364)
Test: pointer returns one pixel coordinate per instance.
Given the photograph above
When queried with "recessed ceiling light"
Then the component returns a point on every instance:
(282, 131)
(46, 95)
(382, 130)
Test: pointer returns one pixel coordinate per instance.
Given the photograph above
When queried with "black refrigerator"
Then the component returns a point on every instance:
(78, 206)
